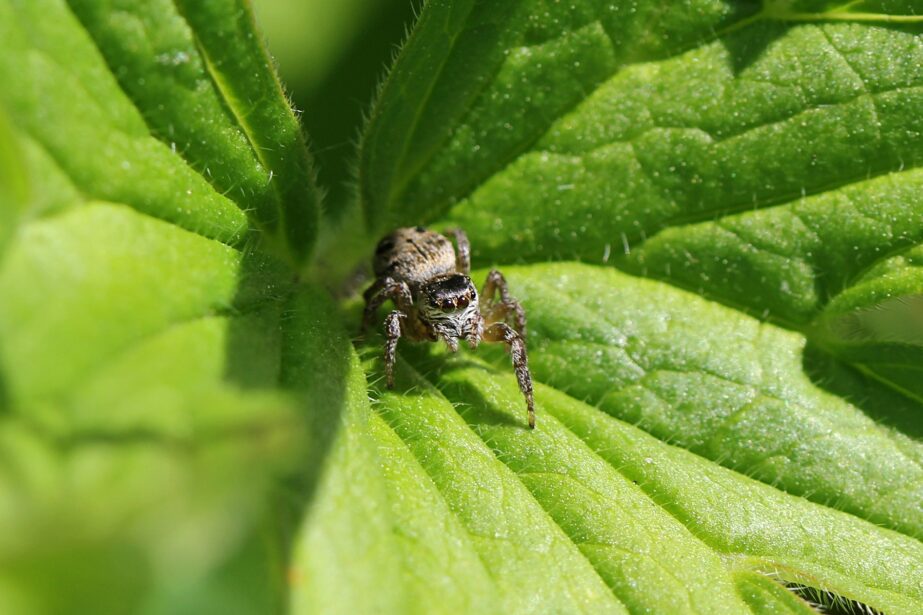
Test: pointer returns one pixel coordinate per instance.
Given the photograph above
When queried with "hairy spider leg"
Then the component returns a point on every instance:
(392, 333)
(476, 332)
(500, 310)
(463, 252)
(381, 291)
(502, 332)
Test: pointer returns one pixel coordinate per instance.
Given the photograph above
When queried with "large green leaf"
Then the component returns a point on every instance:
(665, 529)
(589, 513)
(763, 157)
(161, 373)
(170, 105)
(153, 406)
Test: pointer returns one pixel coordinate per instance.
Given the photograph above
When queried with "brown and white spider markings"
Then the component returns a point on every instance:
(428, 282)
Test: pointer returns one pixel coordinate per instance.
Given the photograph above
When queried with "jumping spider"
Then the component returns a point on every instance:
(428, 282)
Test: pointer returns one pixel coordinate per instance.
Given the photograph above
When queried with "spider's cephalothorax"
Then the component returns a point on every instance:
(428, 282)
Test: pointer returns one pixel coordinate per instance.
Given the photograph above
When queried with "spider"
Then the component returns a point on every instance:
(428, 282)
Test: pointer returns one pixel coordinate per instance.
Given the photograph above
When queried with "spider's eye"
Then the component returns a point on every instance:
(450, 293)
(450, 304)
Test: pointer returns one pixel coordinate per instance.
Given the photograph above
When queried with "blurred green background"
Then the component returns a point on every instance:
(332, 54)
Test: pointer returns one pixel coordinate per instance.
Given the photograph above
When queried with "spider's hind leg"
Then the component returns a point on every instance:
(463, 252)
(502, 332)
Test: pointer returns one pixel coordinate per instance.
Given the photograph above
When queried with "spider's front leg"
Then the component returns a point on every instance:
(392, 333)
(379, 292)
(498, 311)
(502, 332)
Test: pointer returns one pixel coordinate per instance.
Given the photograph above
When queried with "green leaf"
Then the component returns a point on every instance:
(209, 380)
(165, 107)
(241, 70)
(166, 384)
(718, 383)
(451, 115)
(97, 139)
(585, 514)
(174, 417)
(14, 190)
(754, 404)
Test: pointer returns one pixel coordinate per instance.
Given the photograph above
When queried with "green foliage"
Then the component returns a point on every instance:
(13, 187)
(728, 369)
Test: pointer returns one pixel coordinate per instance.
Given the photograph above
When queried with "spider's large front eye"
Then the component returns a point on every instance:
(450, 292)
(450, 304)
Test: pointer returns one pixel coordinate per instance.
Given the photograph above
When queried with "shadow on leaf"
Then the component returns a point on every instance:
(880, 403)
(297, 325)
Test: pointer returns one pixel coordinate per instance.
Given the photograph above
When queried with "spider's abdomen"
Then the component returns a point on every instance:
(413, 255)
